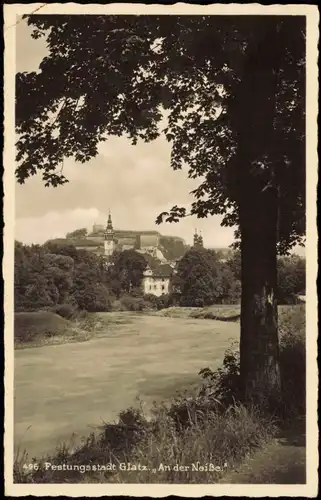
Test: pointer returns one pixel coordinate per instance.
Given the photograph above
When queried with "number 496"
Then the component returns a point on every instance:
(31, 467)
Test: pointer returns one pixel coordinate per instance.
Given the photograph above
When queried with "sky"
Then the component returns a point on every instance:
(135, 183)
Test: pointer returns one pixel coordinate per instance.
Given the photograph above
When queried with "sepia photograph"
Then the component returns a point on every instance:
(160, 249)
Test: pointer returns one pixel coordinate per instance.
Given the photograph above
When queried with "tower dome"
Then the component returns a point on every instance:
(148, 271)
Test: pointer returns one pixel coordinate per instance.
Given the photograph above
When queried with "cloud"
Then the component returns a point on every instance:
(53, 225)
(135, 182)
(56, 224)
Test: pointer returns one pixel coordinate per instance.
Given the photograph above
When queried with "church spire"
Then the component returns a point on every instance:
(195, 239)
(109, 222)
(109, 233)
(198, 239)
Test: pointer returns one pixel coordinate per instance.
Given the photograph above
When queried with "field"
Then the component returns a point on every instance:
(68, 389)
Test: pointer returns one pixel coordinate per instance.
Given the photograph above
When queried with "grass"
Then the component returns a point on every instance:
(199, 451)
(35, 329)
(292, 320)
(281, 461)
(227, 312)
(149, 356)
(216, 312)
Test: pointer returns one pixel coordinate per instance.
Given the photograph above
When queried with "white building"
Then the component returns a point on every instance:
(157, 282)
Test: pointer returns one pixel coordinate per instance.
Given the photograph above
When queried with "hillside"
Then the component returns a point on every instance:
(77, 242)
(172, 247)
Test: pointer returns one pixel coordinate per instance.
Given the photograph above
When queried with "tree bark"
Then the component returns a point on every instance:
(258, 215)
(259, 346)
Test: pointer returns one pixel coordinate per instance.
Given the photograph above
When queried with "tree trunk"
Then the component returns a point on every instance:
(258, 212)
(259, 347)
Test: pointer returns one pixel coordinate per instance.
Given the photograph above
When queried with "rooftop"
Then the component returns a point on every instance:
(163, 271)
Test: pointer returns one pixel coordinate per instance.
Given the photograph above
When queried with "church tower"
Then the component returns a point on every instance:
(198, 240)
(109, 242)
(195, 239)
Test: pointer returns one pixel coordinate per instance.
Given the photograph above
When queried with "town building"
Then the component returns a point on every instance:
(158, 281)
(105, 241)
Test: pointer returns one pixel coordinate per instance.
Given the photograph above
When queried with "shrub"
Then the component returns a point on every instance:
(224, 383)
(31, 326)
(118, 306)
(157, 302)
(293, 374)
(199, 302)
(291, 278)
(292, 319)
(132, 303)
(137, 293)
(94, 298)
(82, 314)
(66, 311)
(234, 293)
(151, 299)
(164, 301)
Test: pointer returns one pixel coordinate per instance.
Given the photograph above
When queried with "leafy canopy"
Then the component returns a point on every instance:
(127, 270)
(201, 279)
(140, 76)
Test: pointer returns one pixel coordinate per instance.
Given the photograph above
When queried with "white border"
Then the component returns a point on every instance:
(11, 12)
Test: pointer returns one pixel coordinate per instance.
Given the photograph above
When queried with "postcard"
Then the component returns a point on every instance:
(160, 250)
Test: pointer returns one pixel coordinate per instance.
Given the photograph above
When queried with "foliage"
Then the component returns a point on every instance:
(202, 280)
(55, 275)
(293, 374)
(132, 304)
(66, 280)
(158, 302)
(32, 287)
(66, 311)
(164, 301)
(291, 279)
(291, 276)
(151, 299)
(126, 273)
(93, 298)
(224, 384)
(118, 306)
(234, 263)
(77, 234)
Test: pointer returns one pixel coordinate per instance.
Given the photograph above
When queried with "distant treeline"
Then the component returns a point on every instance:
(62, 278)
